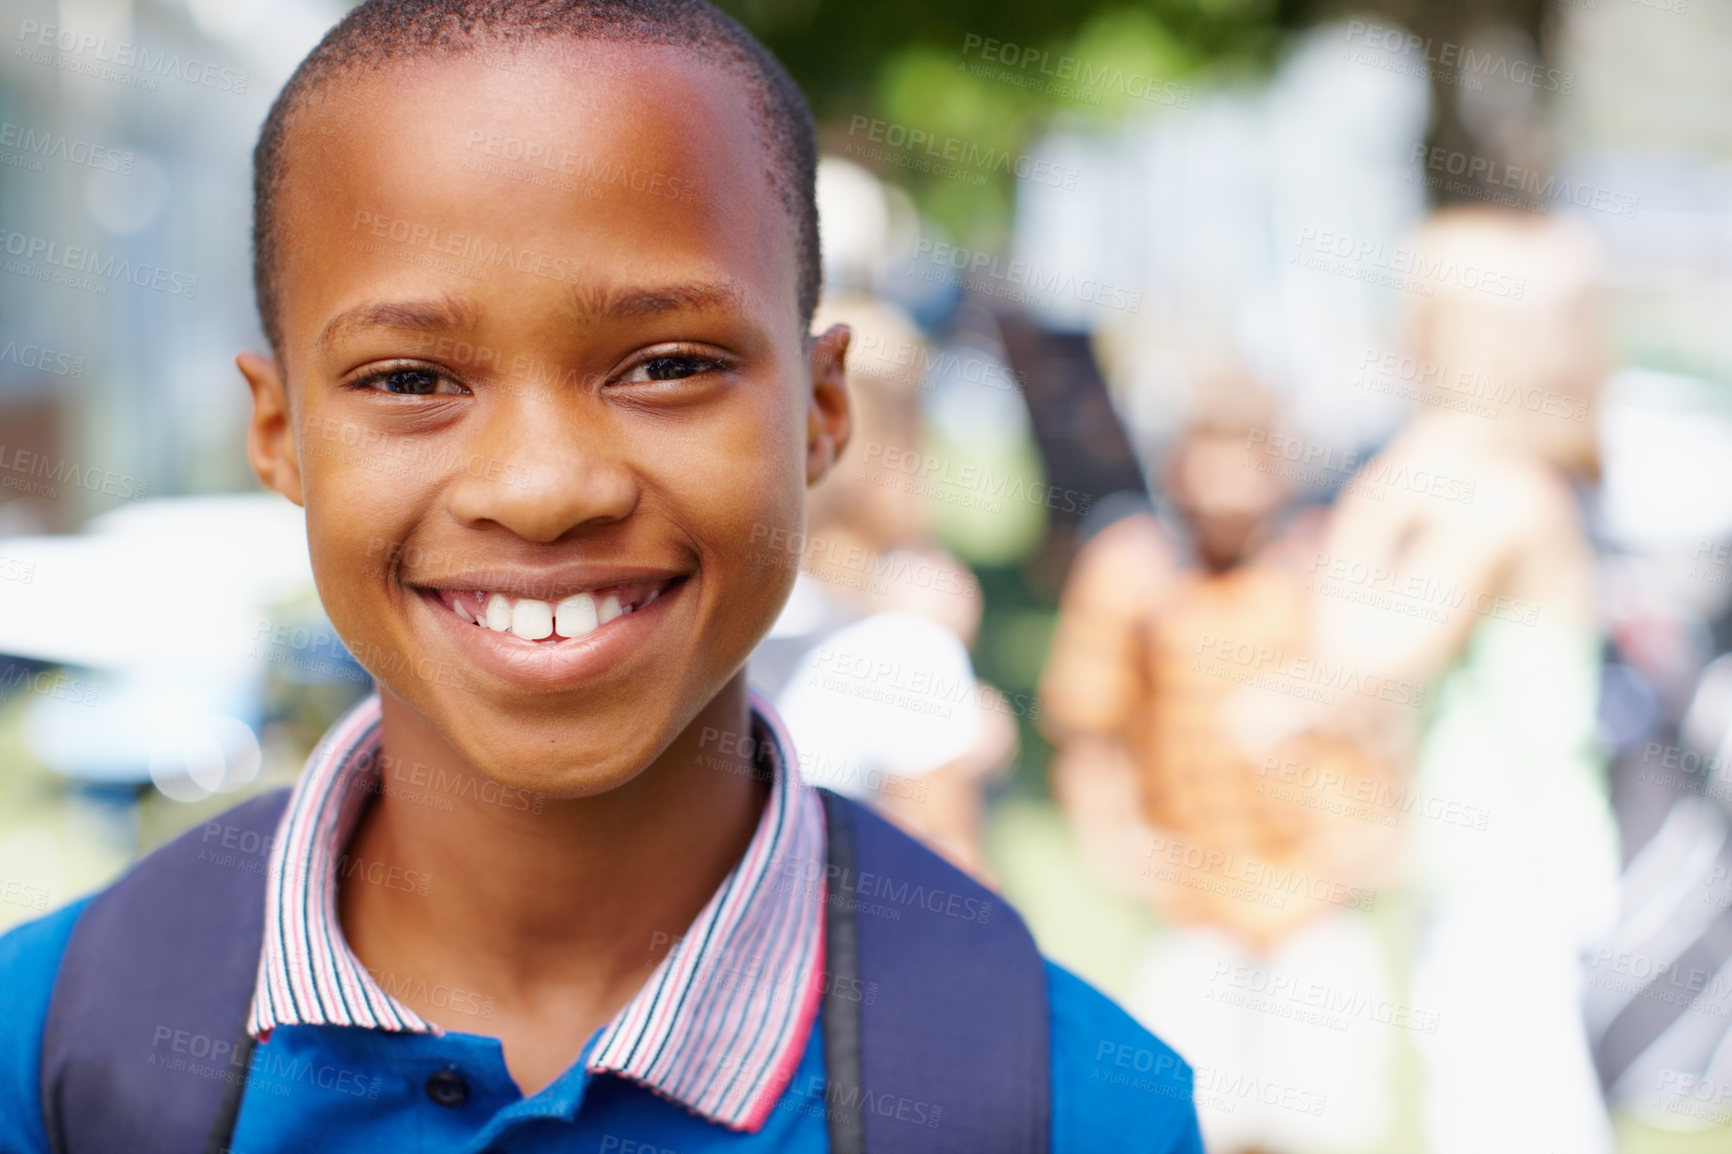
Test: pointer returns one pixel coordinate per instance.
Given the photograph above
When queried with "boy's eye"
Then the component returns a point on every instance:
(670, 368)
(410, 381)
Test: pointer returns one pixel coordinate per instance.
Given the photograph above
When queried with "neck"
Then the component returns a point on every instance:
(533, 900)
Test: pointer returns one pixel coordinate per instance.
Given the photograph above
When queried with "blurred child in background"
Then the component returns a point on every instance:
(1486, 597)
(869, 661)
(1172, 646)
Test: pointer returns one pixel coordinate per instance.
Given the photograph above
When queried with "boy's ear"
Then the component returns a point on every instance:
(829, 423)
(271, 434)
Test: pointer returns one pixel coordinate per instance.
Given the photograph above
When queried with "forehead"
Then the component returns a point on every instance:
(596, 164)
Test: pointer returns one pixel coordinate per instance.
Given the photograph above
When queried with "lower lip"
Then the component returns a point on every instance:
(559, 664)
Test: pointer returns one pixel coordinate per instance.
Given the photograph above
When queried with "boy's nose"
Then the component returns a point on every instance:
(541, 470)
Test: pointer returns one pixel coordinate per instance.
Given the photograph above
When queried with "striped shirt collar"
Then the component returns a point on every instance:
(719, 1026)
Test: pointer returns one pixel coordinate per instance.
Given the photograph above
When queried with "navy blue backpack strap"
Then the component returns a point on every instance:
(936, 1022)
(145, 1048)
(935, 1015)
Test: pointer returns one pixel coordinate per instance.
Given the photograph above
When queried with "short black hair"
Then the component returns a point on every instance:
(381, 31)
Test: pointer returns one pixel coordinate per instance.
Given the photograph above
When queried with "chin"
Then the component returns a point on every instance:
(564, 763)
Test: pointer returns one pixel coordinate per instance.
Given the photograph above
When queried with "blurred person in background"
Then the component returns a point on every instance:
(1230, 850)
(1469, 529)
(1659, 1015)
(1659, 998)
(868, 662)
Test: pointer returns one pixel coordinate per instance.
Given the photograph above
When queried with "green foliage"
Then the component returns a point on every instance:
(963, 107)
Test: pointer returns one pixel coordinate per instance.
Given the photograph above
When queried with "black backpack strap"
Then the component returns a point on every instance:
(937, 1028)
(844, 991)
(145, 1045)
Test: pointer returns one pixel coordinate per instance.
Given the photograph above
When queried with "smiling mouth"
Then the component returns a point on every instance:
(549, 622)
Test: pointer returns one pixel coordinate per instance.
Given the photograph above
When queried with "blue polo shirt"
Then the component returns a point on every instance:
(342, 1090)
(709, 1055)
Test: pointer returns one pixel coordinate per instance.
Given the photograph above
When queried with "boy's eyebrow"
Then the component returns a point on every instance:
(610, 304)
(442, 314)
(448, 313)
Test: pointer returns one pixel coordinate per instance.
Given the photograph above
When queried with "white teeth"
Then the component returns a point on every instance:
(532, 620)
(576, 616)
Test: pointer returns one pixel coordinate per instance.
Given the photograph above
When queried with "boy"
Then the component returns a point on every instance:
(1150, 721)
(536, 279)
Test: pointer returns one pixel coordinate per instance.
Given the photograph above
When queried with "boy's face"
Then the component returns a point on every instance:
(540, 338)
(1226, 499)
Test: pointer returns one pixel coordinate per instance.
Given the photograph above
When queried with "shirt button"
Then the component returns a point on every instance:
(448, 1088)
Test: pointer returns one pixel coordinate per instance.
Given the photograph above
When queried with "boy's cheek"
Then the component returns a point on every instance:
(352, 524)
